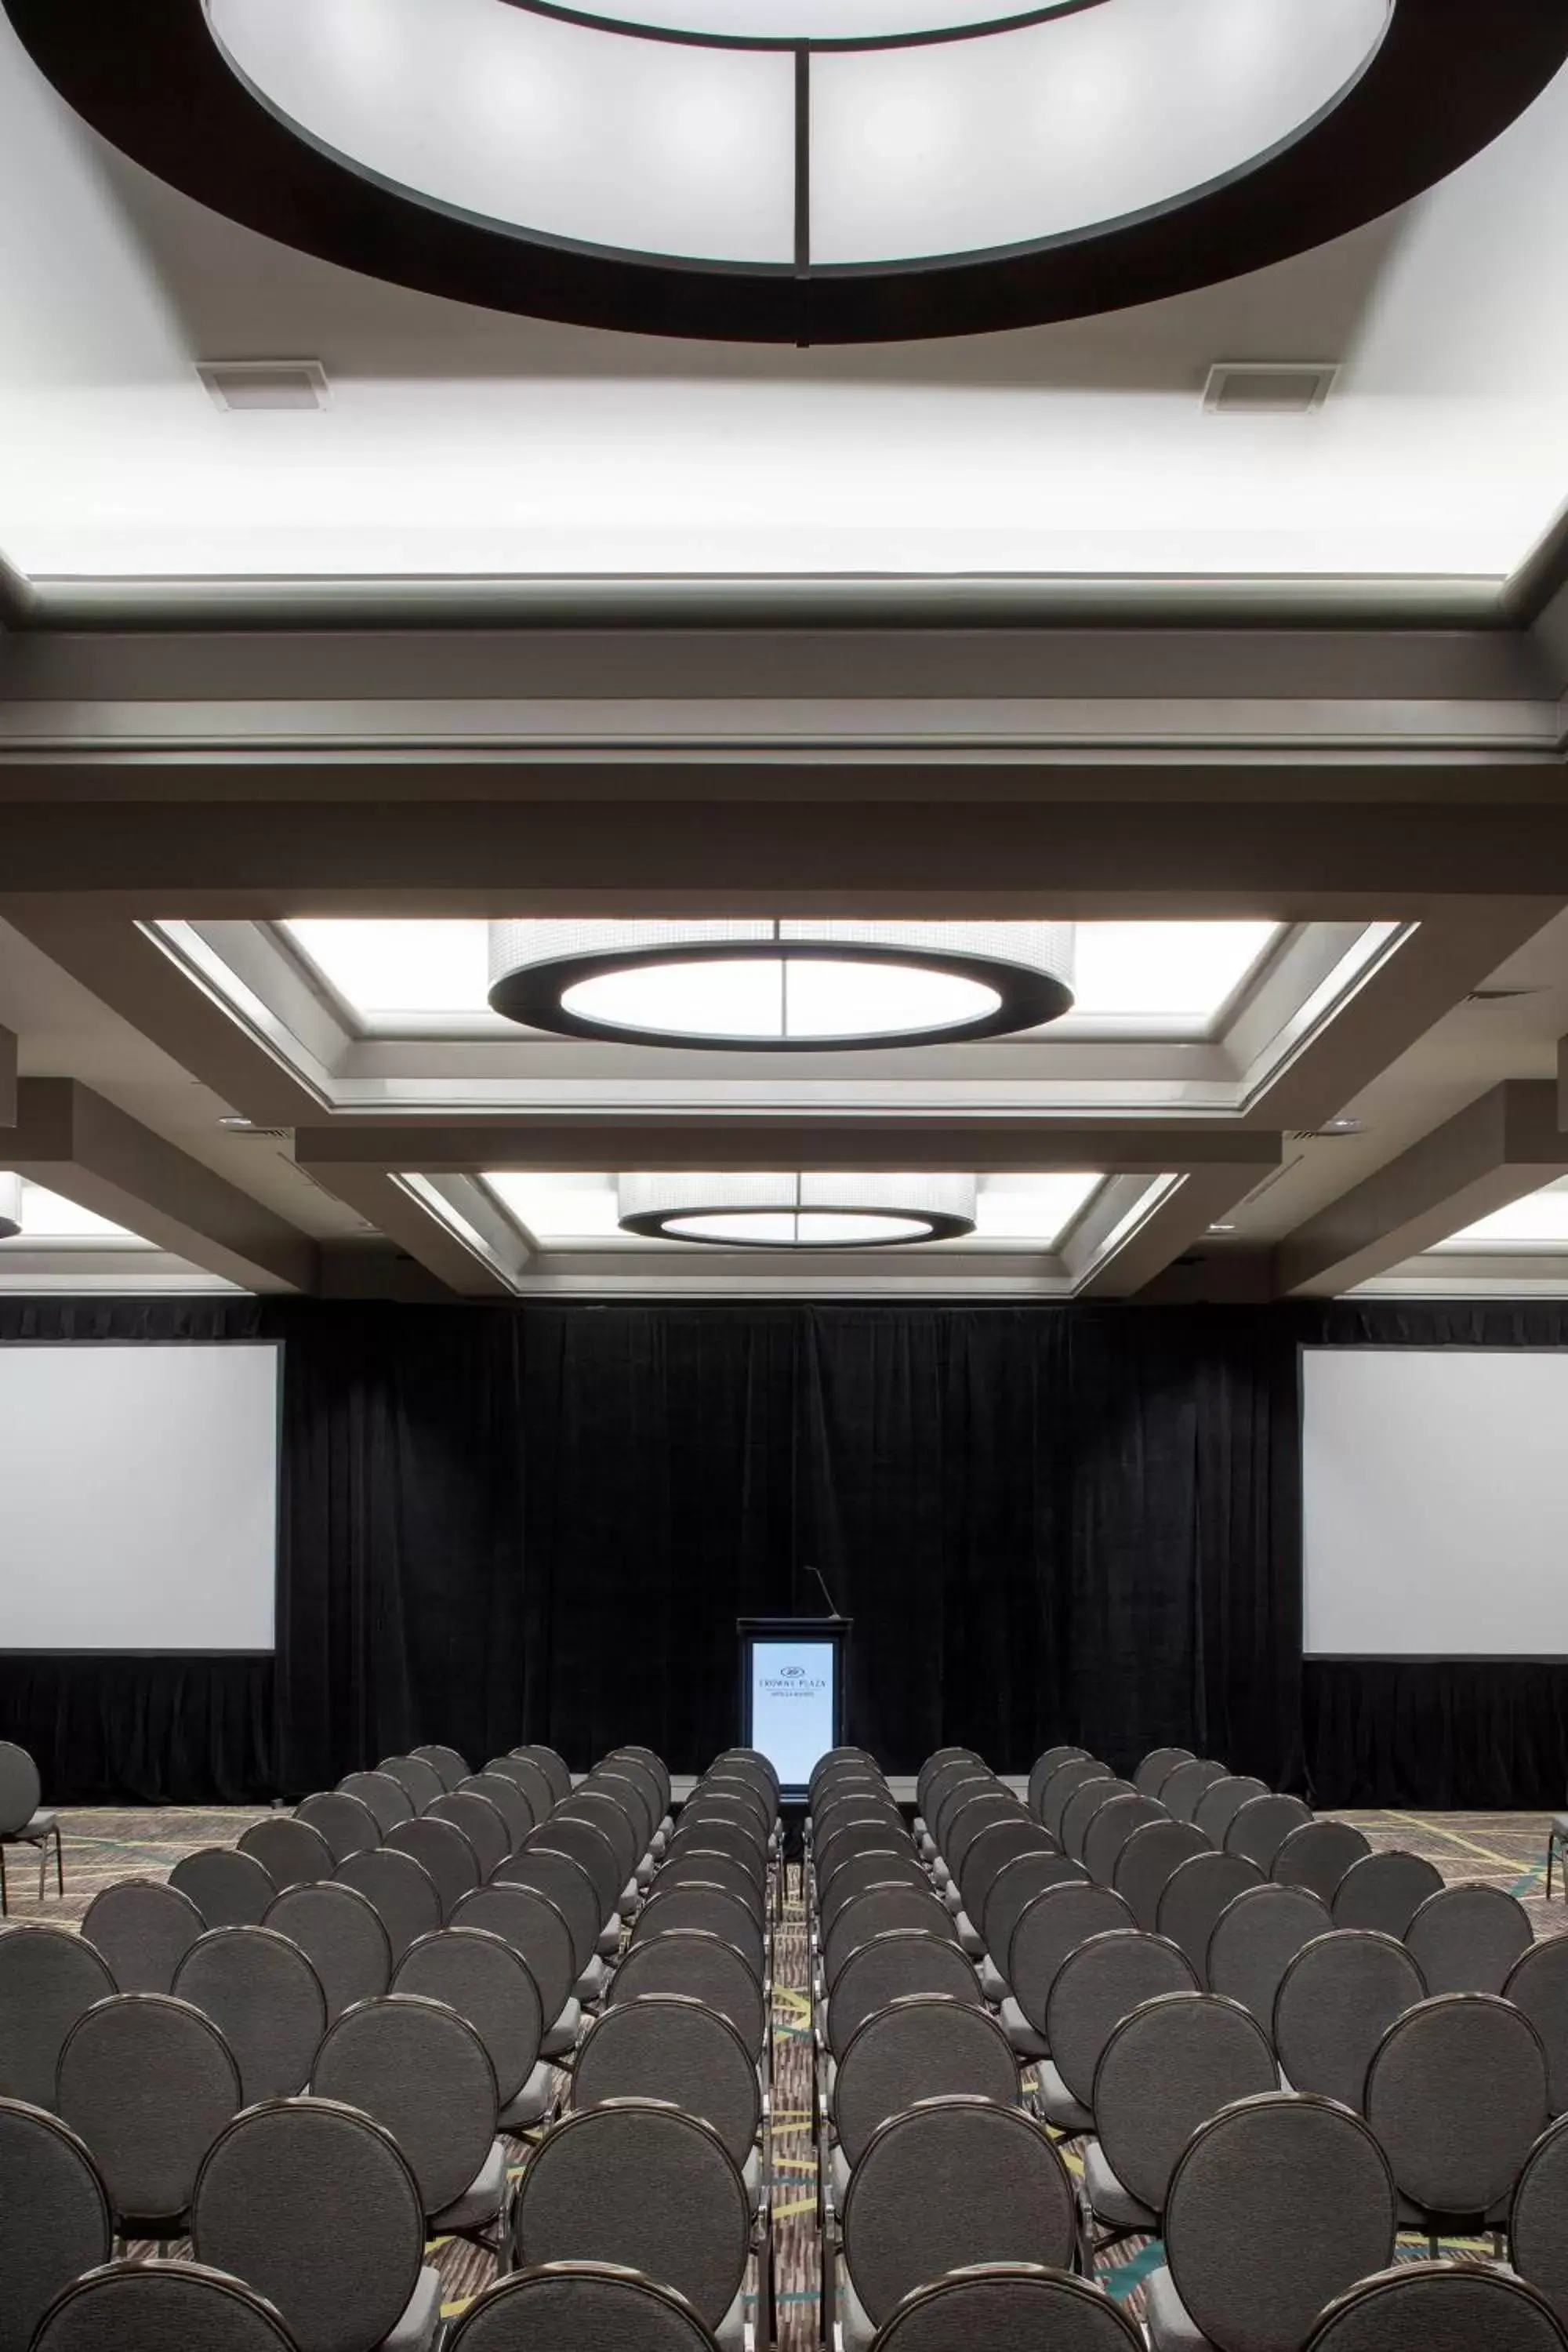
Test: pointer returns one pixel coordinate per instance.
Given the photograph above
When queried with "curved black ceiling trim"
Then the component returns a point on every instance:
(1448, 79)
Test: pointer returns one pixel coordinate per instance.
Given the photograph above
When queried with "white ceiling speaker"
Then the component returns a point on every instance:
(778, 986)
(825, 1212)
(10, 1205)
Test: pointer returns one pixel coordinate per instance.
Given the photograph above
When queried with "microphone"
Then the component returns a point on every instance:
(833, 1608)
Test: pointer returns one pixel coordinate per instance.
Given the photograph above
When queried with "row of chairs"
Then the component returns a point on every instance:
(1133, 2050)
(431, 2064)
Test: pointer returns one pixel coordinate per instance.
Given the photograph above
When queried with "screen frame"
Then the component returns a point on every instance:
(1400, 1347)
(279, 1349)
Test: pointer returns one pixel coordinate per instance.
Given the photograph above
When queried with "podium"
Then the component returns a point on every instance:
(792, 1692)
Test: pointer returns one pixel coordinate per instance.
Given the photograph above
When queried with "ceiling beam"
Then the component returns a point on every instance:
(307, 683)
(713, 1142)
(1176, 1223)
(80, 1146)
(1507, 1143)
(1116, 855)
(406, 1220)
(1431, 972)
(127, 969)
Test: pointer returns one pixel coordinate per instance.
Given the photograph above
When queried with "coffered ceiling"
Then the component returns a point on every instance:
(538, 621)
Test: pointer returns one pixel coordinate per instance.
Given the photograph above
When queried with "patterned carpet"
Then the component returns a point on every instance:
(1504, 1849)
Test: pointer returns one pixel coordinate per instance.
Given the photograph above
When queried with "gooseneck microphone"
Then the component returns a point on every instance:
(833, 1608)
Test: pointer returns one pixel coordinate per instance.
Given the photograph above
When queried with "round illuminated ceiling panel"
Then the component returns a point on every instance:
(799, 1211)
(773, 986)
(800, 170)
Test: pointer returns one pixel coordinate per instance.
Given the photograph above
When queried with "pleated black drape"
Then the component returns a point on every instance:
(497, 1521)
(1076, 1523)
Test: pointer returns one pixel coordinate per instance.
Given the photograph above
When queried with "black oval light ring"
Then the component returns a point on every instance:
(940, 1225)
(1448, 78)
(532, 996)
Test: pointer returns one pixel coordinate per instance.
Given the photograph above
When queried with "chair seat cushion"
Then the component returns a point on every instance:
(1560, 1826)
(610, 1935)
(1057, 2102)
(1108, 2199)
(481, 2201)
(968, 1937)
(941, 1876)
(40, 1825)
(838, 2171)
(563, 2035)
(416, 2330)
(1021, 2033)
(1171, 2325)
(533, 2103)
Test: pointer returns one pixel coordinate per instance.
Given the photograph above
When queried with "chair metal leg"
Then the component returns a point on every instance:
(43, 1864)
(3, 1901)
(59, 1864)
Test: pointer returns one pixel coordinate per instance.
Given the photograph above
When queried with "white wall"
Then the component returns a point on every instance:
(1436, 1502)
(137, 1497)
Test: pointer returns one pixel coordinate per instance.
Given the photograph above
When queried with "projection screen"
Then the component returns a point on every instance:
(1435, 1501)
(137, 1497)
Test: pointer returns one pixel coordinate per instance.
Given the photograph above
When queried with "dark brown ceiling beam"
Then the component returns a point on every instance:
(405, 1221)
(8, 1083)
(712, 1141)
(71, 1139)
(128, 971)
(1176, 1225)
(676, 641)
(1114, 856)
(1505, 1144)
(1431, 972)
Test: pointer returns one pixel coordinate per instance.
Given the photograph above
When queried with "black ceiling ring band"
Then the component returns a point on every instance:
(1030, 997)
(1448, 79)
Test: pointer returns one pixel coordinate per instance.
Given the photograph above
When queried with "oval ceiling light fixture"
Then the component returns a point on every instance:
(775, 986)
(800, 170)
(10, 1205)
(800, 1211)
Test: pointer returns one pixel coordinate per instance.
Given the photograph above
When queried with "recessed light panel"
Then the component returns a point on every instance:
(1538, 1221)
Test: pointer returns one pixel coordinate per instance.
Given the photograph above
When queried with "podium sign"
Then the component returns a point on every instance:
(792, 1702)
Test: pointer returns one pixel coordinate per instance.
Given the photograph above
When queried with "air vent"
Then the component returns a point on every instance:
(1499, 995)
(1284, 388)
(251, 1134)
(1335, 1131)
(243, 385)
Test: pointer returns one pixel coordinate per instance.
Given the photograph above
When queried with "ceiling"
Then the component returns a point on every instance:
(461, 443)
(541, 620)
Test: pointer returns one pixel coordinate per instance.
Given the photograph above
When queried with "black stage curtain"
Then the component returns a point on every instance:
(1047, 1523)
(497, 1520)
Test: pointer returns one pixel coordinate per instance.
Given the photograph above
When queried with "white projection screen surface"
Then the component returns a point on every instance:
(137, 1497)
(1434, 1502)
